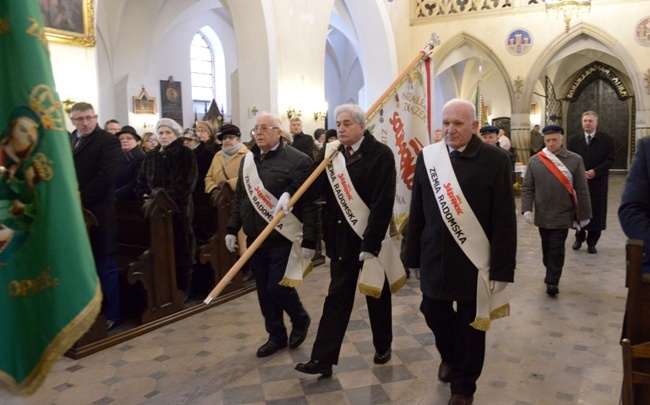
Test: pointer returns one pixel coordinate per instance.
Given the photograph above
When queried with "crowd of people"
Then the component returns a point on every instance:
(464, 262)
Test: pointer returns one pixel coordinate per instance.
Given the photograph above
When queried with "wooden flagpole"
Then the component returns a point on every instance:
(431, 43)
(424, 53)
(267, 231)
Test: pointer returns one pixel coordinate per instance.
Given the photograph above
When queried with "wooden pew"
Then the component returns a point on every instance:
(214, 252)
(155, 268)
(145, 243)
(637, 317)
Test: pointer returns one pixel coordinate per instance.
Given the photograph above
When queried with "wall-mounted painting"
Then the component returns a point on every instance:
(69, 21)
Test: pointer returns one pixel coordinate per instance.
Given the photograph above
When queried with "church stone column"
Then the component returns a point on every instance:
(520, 135)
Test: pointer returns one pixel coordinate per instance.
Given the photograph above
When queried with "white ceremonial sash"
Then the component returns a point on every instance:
(289, 227)
(557, 162)
(387, 264)
(466, 231)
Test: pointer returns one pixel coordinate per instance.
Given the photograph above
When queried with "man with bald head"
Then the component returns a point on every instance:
(463, 239)
(269, 173)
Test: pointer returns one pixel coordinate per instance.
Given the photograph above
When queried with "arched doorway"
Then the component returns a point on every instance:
(598, 88)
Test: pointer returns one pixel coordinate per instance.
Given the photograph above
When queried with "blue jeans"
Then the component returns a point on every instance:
(109, 280)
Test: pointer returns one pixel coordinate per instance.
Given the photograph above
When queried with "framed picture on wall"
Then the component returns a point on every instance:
(69, 21)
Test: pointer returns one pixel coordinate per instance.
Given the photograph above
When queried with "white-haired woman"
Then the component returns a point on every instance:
(173, 167)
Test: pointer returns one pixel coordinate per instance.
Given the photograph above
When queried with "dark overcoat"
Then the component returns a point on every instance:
(634, 212)
(174, 169)
(304, 143)
(372, 172)
(127, 175)
(484, 174)
(598, 156)
(204, 157)
(96, 161)
(282, 170)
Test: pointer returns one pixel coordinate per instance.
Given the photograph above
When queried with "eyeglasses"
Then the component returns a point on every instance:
(263, 128)
(86, 118)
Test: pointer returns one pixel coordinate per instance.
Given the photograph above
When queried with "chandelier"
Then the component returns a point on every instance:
(568, 8)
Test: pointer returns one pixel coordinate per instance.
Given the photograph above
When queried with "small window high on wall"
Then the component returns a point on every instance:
(201, 67)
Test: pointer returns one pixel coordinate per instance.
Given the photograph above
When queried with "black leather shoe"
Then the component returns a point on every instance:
(298, 335)
(552, 290)
(315, 367)
(444, 372)
(269, 348)
(576, 245)
(461, 400)
(382, 358)
(592, 249)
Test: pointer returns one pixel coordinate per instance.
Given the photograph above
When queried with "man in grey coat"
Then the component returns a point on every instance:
(556, 184)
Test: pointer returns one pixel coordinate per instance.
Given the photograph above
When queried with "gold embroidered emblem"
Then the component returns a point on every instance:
(38, 32)
(43, 102)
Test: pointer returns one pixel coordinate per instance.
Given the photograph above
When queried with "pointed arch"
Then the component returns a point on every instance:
(611, 44)
(444, 52)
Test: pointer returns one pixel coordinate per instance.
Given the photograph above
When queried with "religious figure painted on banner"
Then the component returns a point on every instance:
(20, 171)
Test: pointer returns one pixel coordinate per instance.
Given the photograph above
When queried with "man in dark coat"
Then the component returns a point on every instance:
(132, 158)
(597, 152)
(281, 170)
(301, 141)
(371, 169)
(97, 157)
(447, 274)
(634, 212)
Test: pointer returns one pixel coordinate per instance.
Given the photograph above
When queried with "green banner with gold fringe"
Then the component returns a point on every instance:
(49, 291)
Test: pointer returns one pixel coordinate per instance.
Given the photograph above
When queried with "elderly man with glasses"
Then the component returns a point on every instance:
(268, 174)
(97, 156)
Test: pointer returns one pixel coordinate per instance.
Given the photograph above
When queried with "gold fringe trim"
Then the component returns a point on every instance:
(308, 269)
(481, 324)
(500, 312)
(397, 285)
(57, 347)
(287, 282)
(497, 313)
(370, 291)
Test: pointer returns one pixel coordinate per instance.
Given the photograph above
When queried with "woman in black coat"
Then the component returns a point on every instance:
(132, 158)
(172, 167)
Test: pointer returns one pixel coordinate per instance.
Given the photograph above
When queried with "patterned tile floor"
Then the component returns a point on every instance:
(549, 351)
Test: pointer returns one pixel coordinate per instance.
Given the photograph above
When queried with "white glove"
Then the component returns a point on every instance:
(496, 286)
(365, 256)
(584, 222)
(283, 204)
(231, 243)
(528, 217)
(308, 254)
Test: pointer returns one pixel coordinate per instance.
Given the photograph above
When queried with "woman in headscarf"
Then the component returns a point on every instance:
(225, 164)
(173, 167)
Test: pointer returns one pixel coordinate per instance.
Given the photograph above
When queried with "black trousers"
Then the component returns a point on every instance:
(338, 307)
(590, 236)
(268, 267)
(553, 241)
(459, 344)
